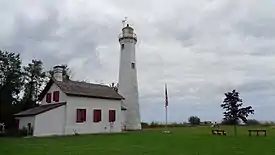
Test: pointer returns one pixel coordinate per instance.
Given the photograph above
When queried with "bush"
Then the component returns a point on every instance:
(144, 125)
(14, 133)
(267, 124)
(175, 124)
(229, 122)
(194, 120)
(155, 125)
(252, 122)
(206, 123)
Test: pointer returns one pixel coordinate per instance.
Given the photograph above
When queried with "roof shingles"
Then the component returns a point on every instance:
(73, 88)
(39, 109)
(84, 89)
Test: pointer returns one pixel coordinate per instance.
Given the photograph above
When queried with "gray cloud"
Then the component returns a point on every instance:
(200, 49)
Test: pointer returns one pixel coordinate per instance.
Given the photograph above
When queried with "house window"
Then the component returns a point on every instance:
(80, 115)
(112, 115)
(97, 115)
(133, 65)
(48, 97)
(56, 96)
(122, 46)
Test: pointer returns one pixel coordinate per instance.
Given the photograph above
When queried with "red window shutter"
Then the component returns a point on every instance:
(78, 115)
(95, 115)
(83, 114)
(48, 97)
(56, 96)
(112, 115)
(99, 117)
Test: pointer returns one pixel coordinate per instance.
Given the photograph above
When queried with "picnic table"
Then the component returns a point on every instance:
(219, 132)
(257, 131)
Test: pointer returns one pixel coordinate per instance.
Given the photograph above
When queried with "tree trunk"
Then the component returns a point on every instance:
(235, 130)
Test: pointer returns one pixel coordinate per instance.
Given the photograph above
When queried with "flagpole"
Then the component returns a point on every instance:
(166, 118)
(166, 110)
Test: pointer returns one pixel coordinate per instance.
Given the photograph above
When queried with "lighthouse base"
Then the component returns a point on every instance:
(131, 127)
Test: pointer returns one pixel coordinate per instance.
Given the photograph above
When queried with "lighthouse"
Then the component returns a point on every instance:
(128, 84)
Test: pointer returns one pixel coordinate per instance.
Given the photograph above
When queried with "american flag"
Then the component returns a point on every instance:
(166, 96)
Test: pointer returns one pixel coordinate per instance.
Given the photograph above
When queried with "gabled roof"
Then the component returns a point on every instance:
(38, 110)
(83, 89)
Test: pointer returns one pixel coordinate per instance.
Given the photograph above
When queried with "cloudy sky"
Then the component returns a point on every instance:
(200, 48)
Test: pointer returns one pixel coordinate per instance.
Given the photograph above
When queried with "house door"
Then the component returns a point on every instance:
(17, 124)
(30, 129)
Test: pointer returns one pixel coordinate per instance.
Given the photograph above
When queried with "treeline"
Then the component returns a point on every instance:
(146, 125)
(250, 122)
(190, 123)
(20, 85)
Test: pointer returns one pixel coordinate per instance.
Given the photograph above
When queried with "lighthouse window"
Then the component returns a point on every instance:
(133, 65)
(122, 46)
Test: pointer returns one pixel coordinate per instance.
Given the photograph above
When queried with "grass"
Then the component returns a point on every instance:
(181, 141)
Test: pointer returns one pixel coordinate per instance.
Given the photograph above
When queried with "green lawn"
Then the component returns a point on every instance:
(181, 141)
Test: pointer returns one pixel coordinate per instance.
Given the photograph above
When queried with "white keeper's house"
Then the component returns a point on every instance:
(69, 107)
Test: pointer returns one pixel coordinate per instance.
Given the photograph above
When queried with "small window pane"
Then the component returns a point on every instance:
(97, 115)
(56, 96)
(133, 65)
(112, 115)
(48, 97)
(80, 115)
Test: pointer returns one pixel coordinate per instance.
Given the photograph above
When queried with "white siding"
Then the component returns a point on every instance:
(23, 121)
(50, 122)
(89, 104)
(62, 96)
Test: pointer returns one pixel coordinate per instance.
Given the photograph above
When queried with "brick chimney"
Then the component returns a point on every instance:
(58, 72)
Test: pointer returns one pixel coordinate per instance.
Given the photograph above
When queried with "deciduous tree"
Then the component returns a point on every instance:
(11, 82)
(232, 104)
(194, 120)
(34, 78)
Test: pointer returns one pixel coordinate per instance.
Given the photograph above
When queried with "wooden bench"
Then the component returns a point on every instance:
(257, 131)
(219, 132)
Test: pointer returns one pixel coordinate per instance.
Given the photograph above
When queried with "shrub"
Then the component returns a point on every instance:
(14, 133)
(175, 124)
(267, 124)
(144, 125)
(252, 122)
(206, 123)
(229, 122)
(194, 120)
(155, 125)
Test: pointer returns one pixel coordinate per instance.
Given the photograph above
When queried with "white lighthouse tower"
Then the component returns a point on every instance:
(127, 85)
